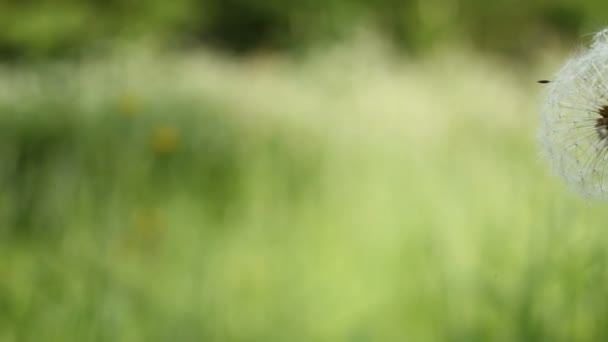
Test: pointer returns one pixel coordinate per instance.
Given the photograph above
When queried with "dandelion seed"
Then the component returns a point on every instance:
(574, 125)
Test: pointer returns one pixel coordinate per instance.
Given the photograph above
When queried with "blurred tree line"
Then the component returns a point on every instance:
(41, 28)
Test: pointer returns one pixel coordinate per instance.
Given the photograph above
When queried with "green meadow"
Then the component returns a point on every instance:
(350, 194)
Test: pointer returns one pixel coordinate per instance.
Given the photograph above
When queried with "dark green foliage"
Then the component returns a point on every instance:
(59, 27)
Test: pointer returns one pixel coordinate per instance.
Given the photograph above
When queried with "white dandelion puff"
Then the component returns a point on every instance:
(574, 125)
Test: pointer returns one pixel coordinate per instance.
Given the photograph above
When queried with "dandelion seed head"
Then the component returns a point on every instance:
(574, 121)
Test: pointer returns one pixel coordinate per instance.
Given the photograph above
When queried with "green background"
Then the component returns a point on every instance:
(290, 171)
(59, 27)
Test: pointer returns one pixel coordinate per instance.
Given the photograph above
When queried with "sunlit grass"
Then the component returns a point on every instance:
(351, 196)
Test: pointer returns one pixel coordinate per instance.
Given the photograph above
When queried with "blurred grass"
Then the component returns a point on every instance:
(347, 196)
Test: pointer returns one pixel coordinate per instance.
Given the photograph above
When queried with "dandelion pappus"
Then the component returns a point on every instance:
(574, 121)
